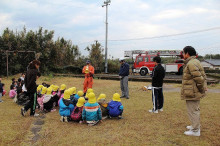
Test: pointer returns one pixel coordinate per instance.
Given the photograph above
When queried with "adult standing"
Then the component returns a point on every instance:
(158, 75)
(88, 70)
(123, 74)
(193, 89)
(31, 86)
(1, 90)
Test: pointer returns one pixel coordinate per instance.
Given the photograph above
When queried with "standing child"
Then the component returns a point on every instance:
(115, 108)
(103, 104)
(92, 113)
(66, 107)
(157, 85)
(77, 112)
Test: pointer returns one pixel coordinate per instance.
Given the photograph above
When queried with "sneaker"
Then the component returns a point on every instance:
(105, 117)
(192, 133)
(65, 119)
(122, 97)
(161, 110)
(61, 119)
(36, 115)
(120, 117)
(127, 97)
(23, 112)
(153, 111)
(189, 127)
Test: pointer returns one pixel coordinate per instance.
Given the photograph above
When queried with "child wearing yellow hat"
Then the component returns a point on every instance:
(66, 107)
(61, 91)
(76, 115)
(92, 112)
(90, 90)
(55, 94)
(48, 100)
(40, 99)
(115, 108)
(74, 97)
(103, 104)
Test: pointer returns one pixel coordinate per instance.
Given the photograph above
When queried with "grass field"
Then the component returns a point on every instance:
(139, 127)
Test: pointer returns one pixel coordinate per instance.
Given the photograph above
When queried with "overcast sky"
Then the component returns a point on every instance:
(133, 24)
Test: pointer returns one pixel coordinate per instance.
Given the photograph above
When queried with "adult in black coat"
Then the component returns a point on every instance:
(31, 86)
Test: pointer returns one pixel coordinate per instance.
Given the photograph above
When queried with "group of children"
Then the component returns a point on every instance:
(74, 106)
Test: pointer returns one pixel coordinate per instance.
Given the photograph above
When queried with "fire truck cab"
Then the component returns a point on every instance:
(144, 64)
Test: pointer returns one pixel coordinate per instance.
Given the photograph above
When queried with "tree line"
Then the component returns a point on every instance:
(55, 55)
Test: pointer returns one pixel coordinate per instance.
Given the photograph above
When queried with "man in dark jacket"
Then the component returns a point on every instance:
(1, 90)
(31, 86)
(157, 83)
(123, 74)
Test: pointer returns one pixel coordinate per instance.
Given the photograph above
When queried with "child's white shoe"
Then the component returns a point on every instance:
(61, 119)
(192, 133)
(153, 111)
(65, 119)
(189, 127)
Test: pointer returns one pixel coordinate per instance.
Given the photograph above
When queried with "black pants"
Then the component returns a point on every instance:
(49, 105)
(32, 103)
(157, 98)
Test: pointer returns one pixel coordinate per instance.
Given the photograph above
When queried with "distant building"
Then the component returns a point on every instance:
(211, 64)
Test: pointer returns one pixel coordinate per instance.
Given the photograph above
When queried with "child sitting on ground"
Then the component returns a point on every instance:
(115, 108)
(74, 97)
(92, 113)
(77, 112)
(41, 98)
(48, 100)
(61, 92)
(66, 107)
(12, 92)
(55, 95)
(103, 104)
(90, 90)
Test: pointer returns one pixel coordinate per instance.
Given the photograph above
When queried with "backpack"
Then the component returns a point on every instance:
(76, 115)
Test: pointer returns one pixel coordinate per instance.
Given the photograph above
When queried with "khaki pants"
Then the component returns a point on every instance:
(194, 113)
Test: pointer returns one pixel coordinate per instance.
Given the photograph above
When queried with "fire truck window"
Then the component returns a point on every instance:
(139, 59)
(146, 59)
(151, 59)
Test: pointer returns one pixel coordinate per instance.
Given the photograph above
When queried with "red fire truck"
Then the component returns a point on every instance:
(144, 64)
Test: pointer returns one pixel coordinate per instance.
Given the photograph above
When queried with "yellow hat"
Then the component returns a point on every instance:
(80, 93)
(116, 97)
(49, 90)
(40, 86)
(90, 90)
(52, 86)
(74, 90)
(71, 91)
(92, 98)
(63, 87)
(44, 90)
(80, 102)
(66, 94)
(101, 96)
(55, 88)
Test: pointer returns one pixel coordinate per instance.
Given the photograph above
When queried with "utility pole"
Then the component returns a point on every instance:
(106, 3)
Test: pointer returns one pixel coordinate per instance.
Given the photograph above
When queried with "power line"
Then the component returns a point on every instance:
(171, 35)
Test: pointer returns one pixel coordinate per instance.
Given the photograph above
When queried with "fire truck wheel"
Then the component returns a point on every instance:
(143, 72)
(180, 72)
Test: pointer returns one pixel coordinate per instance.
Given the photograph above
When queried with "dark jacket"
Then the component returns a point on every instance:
(1, 88)
(30, 80)
(158, 74)
(124, 70)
